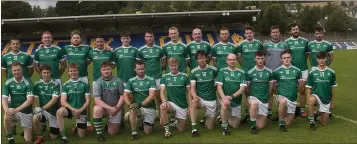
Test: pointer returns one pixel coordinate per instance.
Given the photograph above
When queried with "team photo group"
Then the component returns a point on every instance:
(232, 84)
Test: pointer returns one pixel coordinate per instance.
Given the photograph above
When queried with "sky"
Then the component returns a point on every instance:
(43, 3)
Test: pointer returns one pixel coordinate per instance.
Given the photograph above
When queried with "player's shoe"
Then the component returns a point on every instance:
(167, 134)
(173, 123)
(11, 141)
(74, 130)
(312, 126)
(134, 137)
(219, 119)
(303, 115)
(100, 138)
(39, 140)
(226, 132)
(282, 128)
(195, 134)
(64, 141)
(254, 130)
(203, 120)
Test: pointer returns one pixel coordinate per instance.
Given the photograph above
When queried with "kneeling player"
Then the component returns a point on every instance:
(20, 89)
(203, 91)
(320, 86)
(286, 77)
(47, 91)
(107, 93)
(230, 86)
(260, 84)
(177, 84)
(75, 100)
(142, 105)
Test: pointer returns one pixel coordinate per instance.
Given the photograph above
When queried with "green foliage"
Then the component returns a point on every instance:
(309, 18)
(339, 21)
(273, 14)
(16, 9)
(67, 8)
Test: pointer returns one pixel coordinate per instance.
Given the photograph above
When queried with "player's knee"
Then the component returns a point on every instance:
(60, 112)
(312, 100)
(224, 107)
(282, 102)
(162, 108)
(113, 132)
(97, 110)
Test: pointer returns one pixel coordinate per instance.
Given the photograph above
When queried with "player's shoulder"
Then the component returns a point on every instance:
(27, 81)
(183, 74)
(231, 44)
(242, 42)
(142, 48)
(257, 41)
(84, 45)
(39, 82)
(294, 67)
(312, 42)
(216, 45)
(54, 82)
(251, 70)
(288, 39)
(149, 78)
(56, 47)
(278, 69)
(132, 79)
(211, 67)
(268, 69)
(327, 42)
(24, 53)
(304, 39)
(135, 48)
(182, 44)
(205, 42)
(67, 83)
(195, 69)
(330, 70)
(313, 69)
(166, 44)
(240, 70)
(117, 79)
(9, 81)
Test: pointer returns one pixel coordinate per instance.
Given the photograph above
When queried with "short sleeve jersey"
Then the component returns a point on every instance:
(76, 92)
(109, 91)
(220, 52)
(287, 81)
(45, 91)
(78, 55)
(298, 48)
(23, 58)
(321, 83)
(231, 81)
(140, 89)
(259, 81)
(274, 50)
(178, 51)
(204, 79)
(193, 47)
(19, 91)
(247, 50)
(176, 86)
(98, 56)
(50, 56)
(314, 47)
(125, 60)
(152, 59)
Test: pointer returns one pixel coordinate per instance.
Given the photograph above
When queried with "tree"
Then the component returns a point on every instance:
(309, 18)
(209, 5)
(50, 11)
(147, 8)
(298, 7)
(127, 10)
(15, 9)
(339, 21)
(343, 4)
(195, 5)
(37, 11)
(273, 14)
(67, 8)
(181, 6)
(163, 6)
(227, 5)
(328, 9)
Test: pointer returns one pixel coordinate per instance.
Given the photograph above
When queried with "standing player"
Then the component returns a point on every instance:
(221, 50)
(246, 54)
(75, 100)
(203, 91)
(176, 49)
(319, 44)
(298, 49)
(196, 45)
(46, 90)
(107, 93)
(20, 89)
(230, 86)
(287, 77)
(260, 84)
(141, 101)
(177, 84)
(15, 54)
(320, 86)
(50, 55)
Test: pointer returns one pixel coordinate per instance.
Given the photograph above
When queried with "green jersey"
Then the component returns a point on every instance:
(98, 56)
(247, 51)
(231, 81)
(18, 91)
(193, 47)
(76, 92)
(140, 89)
(314, 47)
(21, 57)
(152, 59)
(176, 86)
(259, 81)
(204, 79)
(220, 52)
(178, 51)
(50, 56)
(78, 55)
(125, 59)
(298, 49)
(109, 91)
(287, 81)
(274, 50)
(321, 82)
(45, 91)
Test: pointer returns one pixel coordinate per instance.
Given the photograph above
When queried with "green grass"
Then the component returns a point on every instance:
(337, 131)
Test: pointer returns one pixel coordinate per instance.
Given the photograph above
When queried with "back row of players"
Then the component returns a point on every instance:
(286, 66)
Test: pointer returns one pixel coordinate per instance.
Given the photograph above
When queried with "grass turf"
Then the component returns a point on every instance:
(337, 131)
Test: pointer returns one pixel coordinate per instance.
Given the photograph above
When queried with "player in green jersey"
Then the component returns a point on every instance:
(286, 77)
(75, 100)
(196, 45)
(177, 93)
(46, 53)
(260, 83)
(320, 86)
(107, 93)
(176, 49)
(139, 94)
(319, 44)
(46, 92)
(222, 49)
(16, 54)
(246, 55)
(299, 53)
(230, 86)
(203, 92)
(20, 89)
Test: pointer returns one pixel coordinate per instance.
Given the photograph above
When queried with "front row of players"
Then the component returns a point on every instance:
(180, 94)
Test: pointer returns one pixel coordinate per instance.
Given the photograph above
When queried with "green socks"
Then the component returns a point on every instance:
(97, 122)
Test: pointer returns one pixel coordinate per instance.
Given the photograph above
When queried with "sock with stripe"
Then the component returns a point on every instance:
(133, 132)
(311, 119)
(224, 126)
(167, 127)
(97, 122)
(194, 127)
(254, 123)
(63, 134)
(10, 135)
(281, 122)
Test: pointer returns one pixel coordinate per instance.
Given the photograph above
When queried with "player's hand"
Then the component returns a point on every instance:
(227, 97)
(77, 113)
(226, 102)
(134, 106)
(41, 46)
(164, 105)
(12, 111)
(195, 99)
(113, 111)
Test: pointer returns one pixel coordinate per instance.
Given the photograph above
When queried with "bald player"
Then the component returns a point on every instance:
(196, 45)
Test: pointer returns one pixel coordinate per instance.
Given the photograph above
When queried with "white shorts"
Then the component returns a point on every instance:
(304, 75)
(60, 83)
(81, 119)
(291, 106)
(323, 107)
(157, 84)
(236, 111)
(210, 107)
(84, 79)
(25, 119)
(180, 113)
(262, 107)
(149, 115)
(52, 120)
(114, 119)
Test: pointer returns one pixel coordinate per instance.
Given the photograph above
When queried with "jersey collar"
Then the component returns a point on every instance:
(76, 80)
(319, 41)
(322, 69)
(48, 47)
(15, 53)
(22, 79)
(286, 67)
(197, 42)
(139, 78)
(259, 69)
(294, 38)
(204, 68)
(45, 82)
(224, 43)
(99, 49)
(149, 47)
(126, 47)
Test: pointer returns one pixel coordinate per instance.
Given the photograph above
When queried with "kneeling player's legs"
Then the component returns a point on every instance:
(302, 95)
(180, 115)
(210, 112)
(98, 113)
(324, 110)
(225, 106)
(157, 94)
(193, 113)
(26, 123)
(253, 110)
(260, 110)
(61, 114)
(52, 120)
(8, 124)
(149, 119)
(165, 109)
(133, 120)
(113, 123)
(85, 79)
(81, 125)
(311, 105)
(234, 120)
